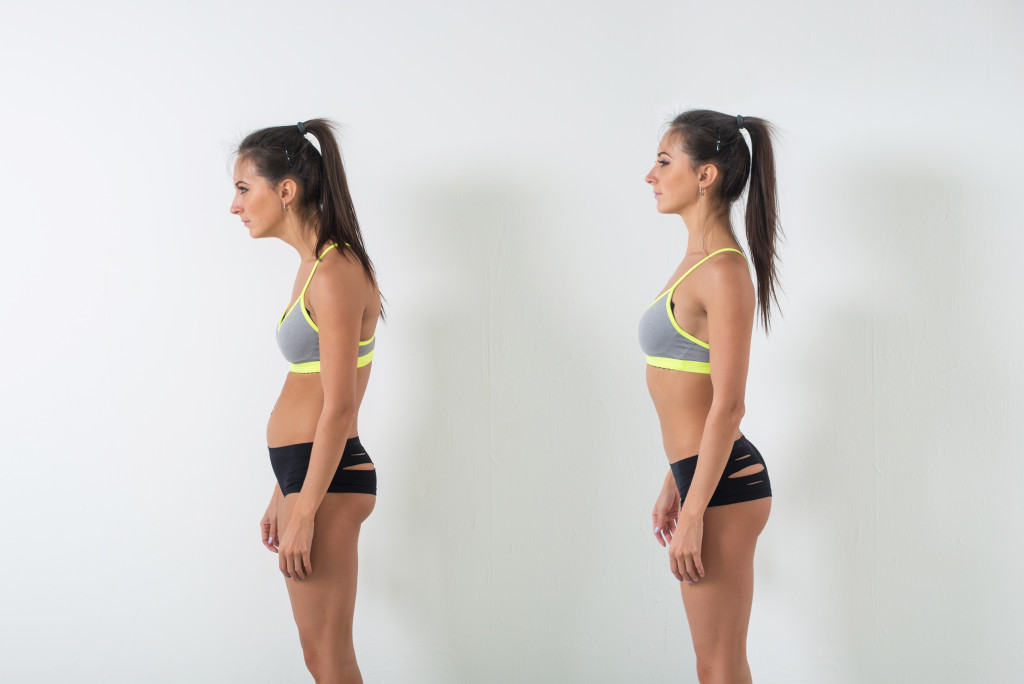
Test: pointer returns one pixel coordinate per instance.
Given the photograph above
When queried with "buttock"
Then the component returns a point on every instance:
(291, 462)
(732, 487)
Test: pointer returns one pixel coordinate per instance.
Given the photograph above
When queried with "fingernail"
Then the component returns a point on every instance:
(656, 530)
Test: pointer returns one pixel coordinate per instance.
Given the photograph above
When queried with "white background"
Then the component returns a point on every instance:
(496, 156)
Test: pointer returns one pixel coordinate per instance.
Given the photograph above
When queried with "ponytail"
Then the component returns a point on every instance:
(714, 138)
(283, 152)
(762, 216)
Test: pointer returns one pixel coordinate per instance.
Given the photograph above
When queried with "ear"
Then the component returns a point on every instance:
(707, 174)
(287, 190)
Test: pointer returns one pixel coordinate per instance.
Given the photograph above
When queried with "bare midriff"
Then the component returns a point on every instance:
(298, 408)
(683, 401)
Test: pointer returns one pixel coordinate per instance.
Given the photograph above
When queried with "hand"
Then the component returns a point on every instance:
(295, 546)
(666, 509)
(684, 551)
(268, 525)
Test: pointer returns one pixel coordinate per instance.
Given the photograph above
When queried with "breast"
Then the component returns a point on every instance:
(298, 342)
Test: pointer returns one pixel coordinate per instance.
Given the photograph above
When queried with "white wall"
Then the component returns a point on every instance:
(496, 155)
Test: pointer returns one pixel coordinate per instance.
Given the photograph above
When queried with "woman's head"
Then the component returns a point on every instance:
(719, 164)
(296, 181)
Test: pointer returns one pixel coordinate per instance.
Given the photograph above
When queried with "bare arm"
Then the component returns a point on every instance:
(729, 302)
(337, 289)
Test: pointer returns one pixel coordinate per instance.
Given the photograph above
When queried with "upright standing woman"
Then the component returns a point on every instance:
(696, 336)
(287, 188)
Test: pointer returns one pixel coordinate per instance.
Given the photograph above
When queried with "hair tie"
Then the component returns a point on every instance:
(739, 121)
(302, 128)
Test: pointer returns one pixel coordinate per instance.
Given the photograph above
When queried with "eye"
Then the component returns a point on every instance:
(662, 162)
(242, 190)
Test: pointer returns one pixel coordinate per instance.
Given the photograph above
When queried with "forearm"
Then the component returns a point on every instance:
(715, 446)
(328, 447)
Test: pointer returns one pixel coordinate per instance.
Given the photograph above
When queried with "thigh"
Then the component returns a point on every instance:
(326, 598)
(718, 606)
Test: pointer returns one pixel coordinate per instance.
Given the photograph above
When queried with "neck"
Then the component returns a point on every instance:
(301, 235)
(707, 231)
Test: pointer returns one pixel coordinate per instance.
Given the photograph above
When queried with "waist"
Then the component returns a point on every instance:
(352, 446)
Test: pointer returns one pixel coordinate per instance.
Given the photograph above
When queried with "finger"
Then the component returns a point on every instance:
(690, 570)
(293, 566)
(698, 564)
(657, 535)
(307, 563)
(674, 566)
(282, 563)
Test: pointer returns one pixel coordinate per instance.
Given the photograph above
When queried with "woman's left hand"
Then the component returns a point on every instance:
(294, 548)
(684, 550)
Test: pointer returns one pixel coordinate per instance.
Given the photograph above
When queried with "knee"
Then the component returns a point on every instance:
(326, 659)
(314, 662)
(722, 668)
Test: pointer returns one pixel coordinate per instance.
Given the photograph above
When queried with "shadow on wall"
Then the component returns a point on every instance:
(487, 488)
(891, 461)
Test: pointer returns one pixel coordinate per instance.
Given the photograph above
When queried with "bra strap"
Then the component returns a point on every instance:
(310, 278)
(694, 267)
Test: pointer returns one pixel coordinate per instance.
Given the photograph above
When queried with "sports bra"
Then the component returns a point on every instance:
(300, 343)
(665, 343)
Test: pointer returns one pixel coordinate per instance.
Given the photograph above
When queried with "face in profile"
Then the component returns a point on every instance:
(255, 202)
(673, 178)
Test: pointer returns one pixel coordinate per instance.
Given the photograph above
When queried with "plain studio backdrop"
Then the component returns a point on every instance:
(496, 154)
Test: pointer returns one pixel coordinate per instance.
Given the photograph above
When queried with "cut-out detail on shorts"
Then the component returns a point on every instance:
(749, 470)
(291, 462)
(745, 477)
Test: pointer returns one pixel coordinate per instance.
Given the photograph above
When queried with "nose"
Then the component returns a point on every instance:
(649, 178)
(235, 209)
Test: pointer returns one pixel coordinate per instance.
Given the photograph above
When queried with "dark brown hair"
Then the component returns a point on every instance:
(714, 138)
(282, 152)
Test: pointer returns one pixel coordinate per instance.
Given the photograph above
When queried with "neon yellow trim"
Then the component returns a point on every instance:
(364, 360)
(305, 314)
(302, 295)
(675, 284)
(307, 367)
(669, 291)
(679, 365)
(671, 317)
(369, 341)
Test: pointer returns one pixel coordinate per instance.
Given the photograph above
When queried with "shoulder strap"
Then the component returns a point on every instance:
(694, 267)
(310, 278)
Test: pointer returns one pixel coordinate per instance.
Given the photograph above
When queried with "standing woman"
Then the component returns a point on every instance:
(288, 189)
(696, 336)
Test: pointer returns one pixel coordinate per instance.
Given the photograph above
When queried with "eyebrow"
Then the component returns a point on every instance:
(664, 153)
(241, 182)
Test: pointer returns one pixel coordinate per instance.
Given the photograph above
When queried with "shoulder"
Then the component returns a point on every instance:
(339, 272)
(727, 275)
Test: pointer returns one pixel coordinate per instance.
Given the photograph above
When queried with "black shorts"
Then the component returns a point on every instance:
(730, 490)
(291, 462)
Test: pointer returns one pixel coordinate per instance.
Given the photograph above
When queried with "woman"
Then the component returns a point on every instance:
(696, 336)
(288, 189)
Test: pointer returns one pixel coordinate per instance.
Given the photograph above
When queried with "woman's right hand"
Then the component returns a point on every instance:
(268, 525)
(666, 511)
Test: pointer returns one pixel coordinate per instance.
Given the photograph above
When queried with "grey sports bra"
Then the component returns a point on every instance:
(298, 337)
(665, 343)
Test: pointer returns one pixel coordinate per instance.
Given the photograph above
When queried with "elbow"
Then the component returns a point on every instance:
(338, 414)
(730, 411)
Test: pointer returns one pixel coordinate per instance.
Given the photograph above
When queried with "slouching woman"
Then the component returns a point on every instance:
(287, 188)
(696, 335)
